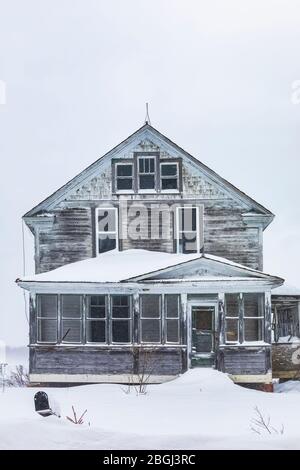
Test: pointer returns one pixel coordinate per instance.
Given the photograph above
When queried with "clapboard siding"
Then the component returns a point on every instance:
(226, 235)
(69, 239)
(244, 361)
(78, 360)
(71, 236)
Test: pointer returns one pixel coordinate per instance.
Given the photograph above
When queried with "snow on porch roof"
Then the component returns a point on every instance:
(117, 266)
(286, 289)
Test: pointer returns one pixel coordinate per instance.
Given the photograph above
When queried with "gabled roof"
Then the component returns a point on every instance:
(140, 265)
(146, 131)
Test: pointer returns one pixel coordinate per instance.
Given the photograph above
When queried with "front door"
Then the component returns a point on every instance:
(203, 335)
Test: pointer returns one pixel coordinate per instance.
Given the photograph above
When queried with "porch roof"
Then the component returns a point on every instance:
(137, 265)
(287, 290)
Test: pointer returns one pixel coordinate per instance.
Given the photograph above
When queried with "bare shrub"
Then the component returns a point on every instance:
(74, 419)
(262, 424)
(143, 366)
(18, 377)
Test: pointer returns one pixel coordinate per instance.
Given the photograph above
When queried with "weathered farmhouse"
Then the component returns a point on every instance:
(149, 259)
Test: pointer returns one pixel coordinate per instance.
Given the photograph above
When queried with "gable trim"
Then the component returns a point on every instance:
(257, 274)
(229, 188)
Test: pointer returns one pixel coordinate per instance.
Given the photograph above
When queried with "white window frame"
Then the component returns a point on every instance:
(143, 157)
(260, 318)
(79, 319)
(124, 191)
(169, 177)
(166, 318)
(159, 319)
(116, 231)
(127, 319)
(89, 319)
(178, 231)
(39, 319)
(236, 318)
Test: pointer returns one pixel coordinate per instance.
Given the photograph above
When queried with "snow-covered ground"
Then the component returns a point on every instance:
(202, 409)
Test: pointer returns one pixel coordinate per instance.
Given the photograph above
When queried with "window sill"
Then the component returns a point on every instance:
(170, 191)
(125, 191)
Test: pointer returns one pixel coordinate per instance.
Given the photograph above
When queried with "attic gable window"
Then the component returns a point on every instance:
(106, 229)
(169, 176)
(124, 176)
(146, 173)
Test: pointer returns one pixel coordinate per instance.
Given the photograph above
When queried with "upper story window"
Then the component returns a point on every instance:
(146, 173)
(169, 176)
(106, 229)
(188, 229)
(124, 176)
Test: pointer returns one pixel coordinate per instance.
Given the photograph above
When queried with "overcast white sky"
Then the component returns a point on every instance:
(218, 76)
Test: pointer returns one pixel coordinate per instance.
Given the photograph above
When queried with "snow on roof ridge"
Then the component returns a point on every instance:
(117, 266)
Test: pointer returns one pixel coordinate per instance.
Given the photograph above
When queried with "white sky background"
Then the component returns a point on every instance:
(218, 76)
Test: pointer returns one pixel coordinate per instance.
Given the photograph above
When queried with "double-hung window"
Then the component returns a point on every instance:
(146, 173)
(96, 319)
(188, 229)
(107, 229)
(232, 310)
(172, 317)
(47, 318)
(150, 310)
(71, 318)
(124, 176)
(169, 176)
(121, 319)
(253, 317)
(244, 319)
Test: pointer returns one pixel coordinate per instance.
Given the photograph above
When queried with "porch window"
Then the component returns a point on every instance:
(232, 318)
(124, 176)
(169, 176)
(244, 320)
(188, 229)
(107, 229)
(146, 173)
(71, 316)
(47, 318)
(150, 308)
(253, 317)
(121, 319)
(96, 319)
(172, 309)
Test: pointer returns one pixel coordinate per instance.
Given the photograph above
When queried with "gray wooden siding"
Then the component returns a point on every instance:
(244, 361)
(226, 235)
(88, 360)
(69, 239)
